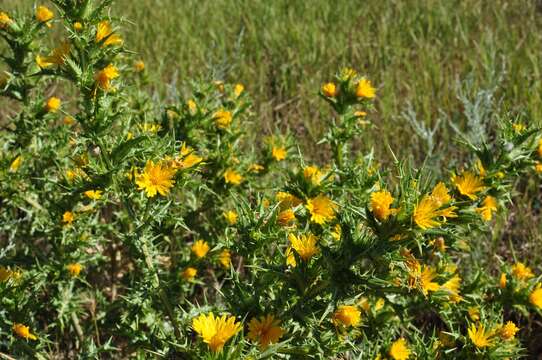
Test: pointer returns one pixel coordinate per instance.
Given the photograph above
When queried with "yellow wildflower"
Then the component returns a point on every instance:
(522, 272)
(5, 20)
(278, 153)
(399, 350)
(156, 178)
(57, 56)
(16, 164)
(427, 212)
(502, 281)
(337, 232)
(232, 177)
(68, 217)
(380, 302)
(508, 331)
(43, 15)
(313, 174)
(322, 209)
(255, 168)
(535, 297)
(538, 167)
(364, 89)
(452, 287)
(223, 118)
(230, 216)
(200, 248)
(489, 206)
(104, 33)
(93, 194)
(287, 200)
(539, 150)
(189, 273)
(286, 217)
(23, 331)
(215, 331)
(519, 128)
(53, 104)
(347, 315)
(74, 269)
(479, 337)
(7, 274)
(77, 26)
(304, 246)
(265, 330)
(468, 184)
(380, 205)
(238, 89)
(329, 89)
(68, 120)
(104, 76)
(190, 158)
(139, 66)
(474, 313)
(225, 258)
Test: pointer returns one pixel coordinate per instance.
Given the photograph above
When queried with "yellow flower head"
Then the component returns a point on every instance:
(93, 194)
(57, 56)
(287, 200)
(77, 26)
(238, 89)
(538, 167)
(508, 331)
(468, 184)
(347, 315)
(231, 217)
(68, 217)
(7, 274)
(502, 281)
(23, 331)
(189, 273)
(519, 128)
(43, 14)
(399, 350)
(337, 232)
(255, 168)
(156, 178)
(53, 104)
(489, 206)
(74, 269)
(225, 258)
(278, 153)
(535, 297)
(452, 287)
(104, 33)
(103, 77)
(200, 248)
(364, 89)
(286, 217)
(426, 278)
(313, 174)
(232, 177)
(5, 20)
(329, 89)
(322, 209)
(380, 204)
(304, 246)
(265, 330)
(522, 272)
(16, 164)
(539, 150)
(215, 331)
(223, 119)
(479, 337)
(139, 66)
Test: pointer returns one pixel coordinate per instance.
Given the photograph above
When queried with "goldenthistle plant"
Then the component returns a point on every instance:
(135, 229)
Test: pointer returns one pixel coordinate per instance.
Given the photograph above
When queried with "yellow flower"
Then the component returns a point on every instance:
(255, 168)
(379, 304)
(77, 26)
(329, 89)
(399, 350)
(215, 331)
(104, 76)
(104, 33)
(452, 287)
(502, 281)
(286, 217)
(313, 174)
(265, 330)
(53, 104)
(479, 337)
(23, 331)
(156, 178)
(68, 120)
(232, 177)
(74, 269)
(5, 20)
(347, 315)
(322, 209)
(67, 218)
(139, 66)
(522, 272)
(200, 248)
(380, 205)
(364, 89)
(189, 273)
(337, 232)
(93, 194)
(287, 200)
(426, 280)
(518, 128)
(43, 14)
(509, 330)
(231, 217)
(489, 206)
(16, 164)
(7, 274)
(223, 118)
(538, 167)
(347, 73)
(57, 56)
(535, 297)
(468, 184)
(427, 212)
(190, 158)
(225, 258)
(238, 89)
(474, 313)
(304, 246)
(539, 150)
(278, 153)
